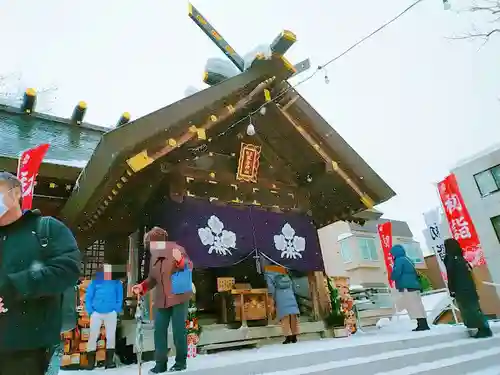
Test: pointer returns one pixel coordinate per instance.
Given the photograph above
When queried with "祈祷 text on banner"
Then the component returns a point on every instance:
(385, 234)
(461, 226)
(248, 164)
(436, 241)
(27, 170)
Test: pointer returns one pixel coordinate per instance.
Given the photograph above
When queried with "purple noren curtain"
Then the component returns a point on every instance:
(214, 236)
(290, 240)
(220, 236)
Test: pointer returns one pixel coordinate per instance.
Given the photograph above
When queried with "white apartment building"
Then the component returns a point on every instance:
(478, 178)
(354, 251)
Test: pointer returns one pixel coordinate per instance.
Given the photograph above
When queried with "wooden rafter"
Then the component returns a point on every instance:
(364, 197)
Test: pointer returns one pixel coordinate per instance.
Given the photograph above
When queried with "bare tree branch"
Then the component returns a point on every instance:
(490, 13)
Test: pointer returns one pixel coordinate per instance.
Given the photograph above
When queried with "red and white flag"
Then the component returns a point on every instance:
(460, 222)
(385, 234)
(27, 170)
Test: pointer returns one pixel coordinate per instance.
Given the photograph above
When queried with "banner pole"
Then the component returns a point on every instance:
(438, 258)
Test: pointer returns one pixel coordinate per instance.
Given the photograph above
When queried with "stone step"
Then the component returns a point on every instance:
(476, 362)
(403, 362)
(387, 352)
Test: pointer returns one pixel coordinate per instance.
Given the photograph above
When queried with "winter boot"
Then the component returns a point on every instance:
(91, 361)
(293, 339)
(110, 359)
(483, 333)
(178, 367)
(288, 340)
(160, 368)
(422, 325)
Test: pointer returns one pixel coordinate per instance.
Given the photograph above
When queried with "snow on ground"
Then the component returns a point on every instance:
(276, 351)
(326, 366)
(434, 303)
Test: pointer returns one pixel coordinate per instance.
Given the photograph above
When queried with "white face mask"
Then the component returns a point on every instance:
(3, 207)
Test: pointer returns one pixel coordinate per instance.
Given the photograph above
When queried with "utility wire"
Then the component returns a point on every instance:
(322, 67)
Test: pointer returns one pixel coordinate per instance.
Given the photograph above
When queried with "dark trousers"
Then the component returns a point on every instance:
(471, 313)
(178, 315)
(26, 362)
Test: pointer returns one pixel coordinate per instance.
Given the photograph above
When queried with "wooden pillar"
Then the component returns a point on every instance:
(314, 295)
(323, 294)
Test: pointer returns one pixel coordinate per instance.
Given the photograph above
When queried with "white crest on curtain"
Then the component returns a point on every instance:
(290, 245)
(220, 240)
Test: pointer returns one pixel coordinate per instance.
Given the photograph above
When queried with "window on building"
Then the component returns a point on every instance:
(496, 225)
(345, 251)
(368, 248)
(488, 181)
(414, 252)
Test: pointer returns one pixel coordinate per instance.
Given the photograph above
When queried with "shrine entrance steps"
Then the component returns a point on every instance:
(441, 351)
(218, 337)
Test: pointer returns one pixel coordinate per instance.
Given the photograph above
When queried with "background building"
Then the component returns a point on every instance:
(479, 182)
(354, 251)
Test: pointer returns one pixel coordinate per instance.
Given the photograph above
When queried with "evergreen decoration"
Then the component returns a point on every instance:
(192, 324)
(425, 283)
(336, 318)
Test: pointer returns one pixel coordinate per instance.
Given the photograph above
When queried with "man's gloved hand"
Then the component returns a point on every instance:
(6, 294)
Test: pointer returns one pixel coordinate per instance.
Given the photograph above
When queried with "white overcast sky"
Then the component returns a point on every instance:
(410, 100)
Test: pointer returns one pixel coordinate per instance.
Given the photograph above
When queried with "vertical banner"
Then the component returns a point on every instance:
(27, 170)
(436, 240)
(459, 220)
(385, 234)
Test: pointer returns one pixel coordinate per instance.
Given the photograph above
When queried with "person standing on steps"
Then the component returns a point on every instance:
(405, 276)
(280, 287)
(103, 302)
(167, 258)
(463, 288)
(36, 269)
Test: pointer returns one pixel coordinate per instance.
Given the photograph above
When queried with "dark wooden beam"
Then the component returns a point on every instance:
(229, 178)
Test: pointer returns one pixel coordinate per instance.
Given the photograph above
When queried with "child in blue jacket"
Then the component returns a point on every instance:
(103, 302)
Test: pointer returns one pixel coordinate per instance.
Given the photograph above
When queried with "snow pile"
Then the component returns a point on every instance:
(434, 303)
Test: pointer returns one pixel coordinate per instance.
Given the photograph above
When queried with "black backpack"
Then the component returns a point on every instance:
(69, 298)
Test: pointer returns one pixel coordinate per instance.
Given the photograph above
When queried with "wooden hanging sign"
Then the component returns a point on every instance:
(248, 164)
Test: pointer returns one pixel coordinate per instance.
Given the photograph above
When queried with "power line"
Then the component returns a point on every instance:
(331, 61)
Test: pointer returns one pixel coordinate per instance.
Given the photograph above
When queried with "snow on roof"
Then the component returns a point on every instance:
(68, 163)
(476, 155)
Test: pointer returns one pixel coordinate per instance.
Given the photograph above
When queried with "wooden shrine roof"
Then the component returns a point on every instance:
(109, 197)
(108, 178)
(70, 144)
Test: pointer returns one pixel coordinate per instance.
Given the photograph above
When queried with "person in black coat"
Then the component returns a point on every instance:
(463, 289)
(33, 277)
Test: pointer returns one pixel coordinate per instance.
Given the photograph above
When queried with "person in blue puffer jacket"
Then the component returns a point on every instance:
(103, 302)
(405, 276)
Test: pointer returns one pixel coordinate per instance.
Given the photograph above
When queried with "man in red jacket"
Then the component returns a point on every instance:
(166, 258)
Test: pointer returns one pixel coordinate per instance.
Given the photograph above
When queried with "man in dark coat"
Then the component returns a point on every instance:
(32, 281)
(463, 289)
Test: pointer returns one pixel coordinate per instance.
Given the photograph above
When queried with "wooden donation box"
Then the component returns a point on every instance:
(248, 303)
